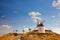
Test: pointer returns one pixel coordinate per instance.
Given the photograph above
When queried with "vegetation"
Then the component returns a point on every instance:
(8, 36)
(42, 36)
(32, 36)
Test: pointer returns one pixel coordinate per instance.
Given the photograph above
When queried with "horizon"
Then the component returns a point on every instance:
(17, 14)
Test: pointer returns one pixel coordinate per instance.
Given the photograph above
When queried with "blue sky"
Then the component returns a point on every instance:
(15, 14)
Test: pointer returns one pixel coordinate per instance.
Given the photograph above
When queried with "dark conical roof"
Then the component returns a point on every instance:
(41, 24)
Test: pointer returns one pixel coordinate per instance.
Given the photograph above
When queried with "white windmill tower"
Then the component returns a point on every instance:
(40, 27)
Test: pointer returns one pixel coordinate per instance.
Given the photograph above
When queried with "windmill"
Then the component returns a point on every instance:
(40, 27)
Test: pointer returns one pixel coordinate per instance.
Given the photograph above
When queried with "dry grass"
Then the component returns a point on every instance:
(7, 36)
(35, 36)
(43, 36)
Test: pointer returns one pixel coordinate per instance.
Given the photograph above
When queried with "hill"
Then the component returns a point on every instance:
(8, 36)
(34, 35)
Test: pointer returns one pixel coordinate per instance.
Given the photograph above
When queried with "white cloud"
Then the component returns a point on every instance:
(34, 14)
(26, 29)
(2, 16)
(4, 29)
(6, 26)
(58, 14)
(56, 29)
(56, 4)
(53, 16)
(35, 17)
(56, 24)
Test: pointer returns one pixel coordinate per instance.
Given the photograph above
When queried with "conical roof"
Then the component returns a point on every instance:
(41, 24)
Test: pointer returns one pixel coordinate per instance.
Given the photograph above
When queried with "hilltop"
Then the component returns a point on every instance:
(8, 36)
(33, 35)
(49, 35)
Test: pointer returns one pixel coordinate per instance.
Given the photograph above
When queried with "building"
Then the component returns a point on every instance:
(41, 28)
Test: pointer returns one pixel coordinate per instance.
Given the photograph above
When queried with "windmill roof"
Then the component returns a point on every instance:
(41, 24)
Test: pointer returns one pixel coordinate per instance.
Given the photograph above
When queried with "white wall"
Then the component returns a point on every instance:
(41, 29)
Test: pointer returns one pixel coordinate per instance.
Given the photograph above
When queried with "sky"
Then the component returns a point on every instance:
(22, 14)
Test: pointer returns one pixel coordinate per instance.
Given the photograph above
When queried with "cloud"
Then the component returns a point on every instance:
(2, 16)
(26, 29)
(53, 16)
(58, 14)
(56, 4)
(6, 26)
(35, 16)
(4, 29)
(56, 29)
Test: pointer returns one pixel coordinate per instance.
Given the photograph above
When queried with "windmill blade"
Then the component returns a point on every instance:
(38, 21)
